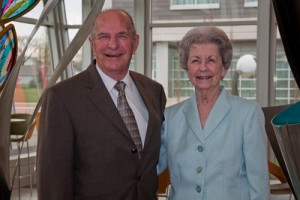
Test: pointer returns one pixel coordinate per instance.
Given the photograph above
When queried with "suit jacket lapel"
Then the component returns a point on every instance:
(101, 98)
(149, 105)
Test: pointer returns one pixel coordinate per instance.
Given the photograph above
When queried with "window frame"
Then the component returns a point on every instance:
(193, 6)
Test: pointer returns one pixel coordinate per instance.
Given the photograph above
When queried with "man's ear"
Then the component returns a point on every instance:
(136, 43)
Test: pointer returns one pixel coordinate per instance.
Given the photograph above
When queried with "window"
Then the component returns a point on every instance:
(250, 3)
(36, 69)
(286, 90)
(74, 12)
(194, 4)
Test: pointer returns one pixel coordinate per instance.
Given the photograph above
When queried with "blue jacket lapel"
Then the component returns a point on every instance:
(192, 117)
(218, 112)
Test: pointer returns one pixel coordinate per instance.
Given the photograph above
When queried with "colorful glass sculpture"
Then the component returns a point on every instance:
(8, 52)
(12, 9)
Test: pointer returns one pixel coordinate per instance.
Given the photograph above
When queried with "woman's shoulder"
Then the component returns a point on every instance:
(243, 105)
(177, 112)
(179, 105)
(241, 101)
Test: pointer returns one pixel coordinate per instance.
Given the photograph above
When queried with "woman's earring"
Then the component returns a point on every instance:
(222, 82)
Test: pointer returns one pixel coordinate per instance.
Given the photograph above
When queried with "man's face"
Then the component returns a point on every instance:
(113, 43)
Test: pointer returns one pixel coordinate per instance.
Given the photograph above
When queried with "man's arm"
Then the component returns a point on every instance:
(55, 150)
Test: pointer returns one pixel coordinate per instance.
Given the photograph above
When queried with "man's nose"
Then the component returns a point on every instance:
(113, 42)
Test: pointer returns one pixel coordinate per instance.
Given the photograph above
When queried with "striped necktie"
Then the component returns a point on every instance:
(128, 116)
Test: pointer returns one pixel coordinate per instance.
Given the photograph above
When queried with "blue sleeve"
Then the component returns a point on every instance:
(255, 153)
(162, 164)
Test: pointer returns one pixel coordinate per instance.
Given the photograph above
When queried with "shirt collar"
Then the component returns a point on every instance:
(110, 83)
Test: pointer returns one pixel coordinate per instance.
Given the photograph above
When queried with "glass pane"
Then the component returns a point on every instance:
(34, 72)
(11, 10)
(248, 1)
(77, 60)
(225, 10)
(8, 53)
(73, 11)
(36, 69)
(36, 11)
(194, 4)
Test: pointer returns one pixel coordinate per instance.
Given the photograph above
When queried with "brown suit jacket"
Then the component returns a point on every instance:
(84, 149)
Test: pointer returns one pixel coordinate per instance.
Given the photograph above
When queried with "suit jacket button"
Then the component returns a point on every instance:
(138, 178)
(134, 151)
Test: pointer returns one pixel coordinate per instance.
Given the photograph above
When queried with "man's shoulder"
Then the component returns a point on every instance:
(78, 80)
(70, 82)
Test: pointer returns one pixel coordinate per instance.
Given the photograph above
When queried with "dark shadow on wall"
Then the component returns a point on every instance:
(288, 18)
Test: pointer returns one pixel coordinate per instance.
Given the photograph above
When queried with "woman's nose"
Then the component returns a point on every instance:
(202, 66)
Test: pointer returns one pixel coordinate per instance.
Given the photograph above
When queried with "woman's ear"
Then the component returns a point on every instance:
(224, 72)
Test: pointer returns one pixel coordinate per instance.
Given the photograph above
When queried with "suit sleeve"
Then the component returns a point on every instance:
(55, 150)
(255, 153)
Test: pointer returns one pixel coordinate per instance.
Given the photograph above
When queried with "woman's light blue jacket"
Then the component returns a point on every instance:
(225, 160)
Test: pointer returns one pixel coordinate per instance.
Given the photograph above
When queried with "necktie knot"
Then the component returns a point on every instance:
(120, 86)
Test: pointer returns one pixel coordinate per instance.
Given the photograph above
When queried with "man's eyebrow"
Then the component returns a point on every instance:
(102, 33)
(118, 33)
(123, 33)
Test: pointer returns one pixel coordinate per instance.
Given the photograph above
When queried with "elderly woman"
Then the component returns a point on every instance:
(214, 144)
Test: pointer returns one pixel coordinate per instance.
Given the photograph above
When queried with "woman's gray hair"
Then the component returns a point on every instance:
(206, 35)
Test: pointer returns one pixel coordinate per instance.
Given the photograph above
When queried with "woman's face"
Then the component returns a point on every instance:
(205, 68)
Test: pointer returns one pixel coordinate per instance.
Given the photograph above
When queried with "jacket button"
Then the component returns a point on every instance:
(200, 148)
(134, 151)
(198, 189)
(199, 170)
(138, 178)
